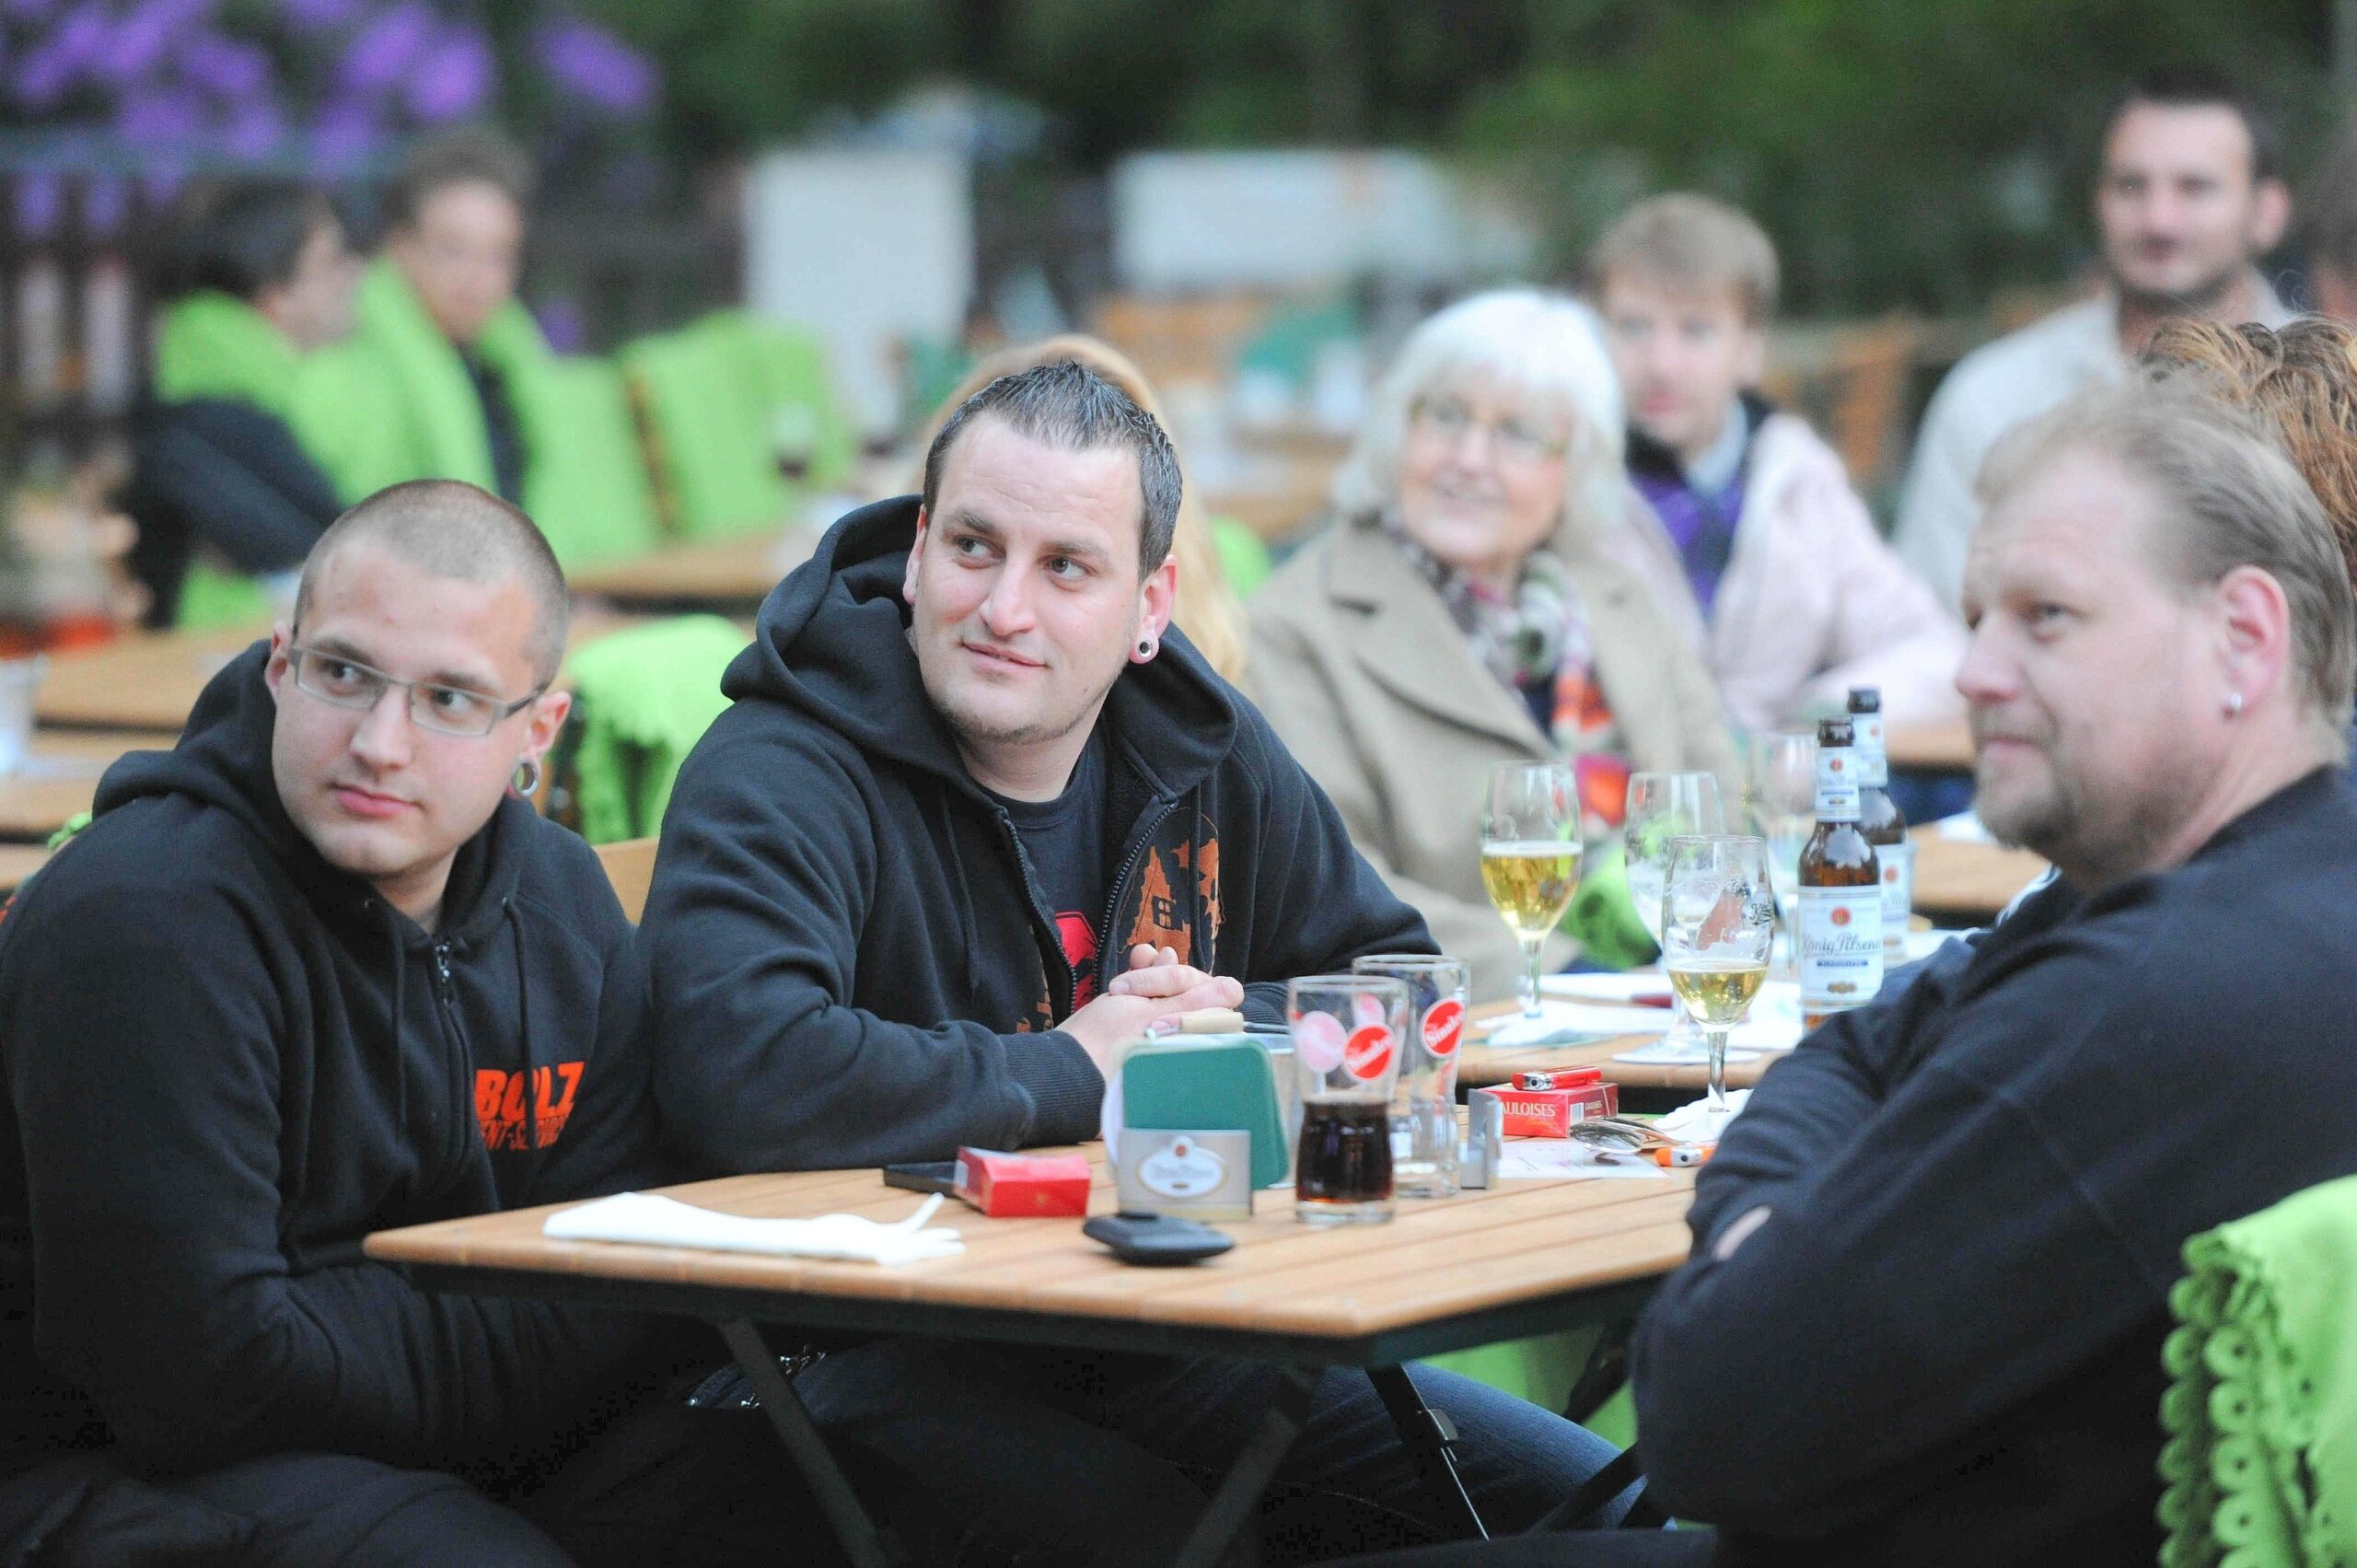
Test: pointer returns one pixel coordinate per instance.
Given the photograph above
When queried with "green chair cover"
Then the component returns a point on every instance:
(647, 695)
(2261, 1465)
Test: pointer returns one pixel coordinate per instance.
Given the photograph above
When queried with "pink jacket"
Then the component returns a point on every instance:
(1813, 602)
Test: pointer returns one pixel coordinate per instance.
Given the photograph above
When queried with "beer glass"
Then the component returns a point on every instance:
(1423, 1105)
(1348, 1031)
(1781, 789)
(1718, 924)
(1530, 855)
(1663, 808)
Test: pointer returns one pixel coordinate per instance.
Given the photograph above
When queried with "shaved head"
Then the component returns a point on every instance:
(451, 529)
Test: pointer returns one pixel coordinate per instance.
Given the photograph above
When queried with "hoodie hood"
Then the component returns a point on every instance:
(223, 759)
(832, 641)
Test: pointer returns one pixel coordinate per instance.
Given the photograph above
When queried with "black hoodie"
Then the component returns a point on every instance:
(849, 963)
(228, 1062)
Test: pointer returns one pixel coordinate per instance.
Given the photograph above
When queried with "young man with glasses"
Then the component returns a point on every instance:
(315, 972)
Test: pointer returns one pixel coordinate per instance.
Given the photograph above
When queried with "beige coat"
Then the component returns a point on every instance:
(1372, 686)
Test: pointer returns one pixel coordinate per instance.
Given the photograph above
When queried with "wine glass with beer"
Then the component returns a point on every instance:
(1782, 793)
(1530, 855)
(1663, 809)
(1718, 922)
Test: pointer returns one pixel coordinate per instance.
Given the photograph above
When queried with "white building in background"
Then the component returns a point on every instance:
(1288, 221)
(870, 246)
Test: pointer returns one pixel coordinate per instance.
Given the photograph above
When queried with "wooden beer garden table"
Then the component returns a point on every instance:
(141, 681)
(1446, 1274)
(1959, 879)
(17, 863)
(58, 779)
(1932, 749)
(149, 680)
(730, 576)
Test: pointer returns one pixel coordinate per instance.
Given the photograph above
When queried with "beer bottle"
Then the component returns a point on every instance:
(1881, 821)
(1840, 889)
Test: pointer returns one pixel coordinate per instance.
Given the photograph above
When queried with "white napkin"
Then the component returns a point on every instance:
(1965, 829)
(654, 1221)
(1774, 1023)
(1694, 1123)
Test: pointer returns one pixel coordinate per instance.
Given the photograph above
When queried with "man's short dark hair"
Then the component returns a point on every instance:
(1067, 405)
(471, 155)
(2200, 87)
(241, 238)
(454, 530)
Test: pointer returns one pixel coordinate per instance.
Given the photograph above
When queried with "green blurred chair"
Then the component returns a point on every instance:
(724, 399)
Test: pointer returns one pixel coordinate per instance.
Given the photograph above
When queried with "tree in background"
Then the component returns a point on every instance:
(1901, 151)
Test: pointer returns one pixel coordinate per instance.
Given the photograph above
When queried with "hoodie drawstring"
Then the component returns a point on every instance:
(524, 1030)
(401, 1058)
(968, 921)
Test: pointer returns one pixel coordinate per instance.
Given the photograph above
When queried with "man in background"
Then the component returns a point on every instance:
(2189, 197)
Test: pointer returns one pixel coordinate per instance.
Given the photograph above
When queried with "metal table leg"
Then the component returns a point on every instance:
(807, 1448)
(1240, 1491)
(1430, 1436)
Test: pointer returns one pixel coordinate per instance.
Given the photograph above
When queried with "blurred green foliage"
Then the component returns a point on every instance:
(1902, 152)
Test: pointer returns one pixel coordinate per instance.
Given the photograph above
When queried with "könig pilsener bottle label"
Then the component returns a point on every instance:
(1837, 784)
(1874, 757)
(1840, 946)
(1898, 895)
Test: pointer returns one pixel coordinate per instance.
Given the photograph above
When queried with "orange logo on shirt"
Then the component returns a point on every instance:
(501, 1113)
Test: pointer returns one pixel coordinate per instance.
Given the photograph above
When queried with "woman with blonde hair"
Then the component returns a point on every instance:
(2300, 379)
(1207, 610)
(1464, 609)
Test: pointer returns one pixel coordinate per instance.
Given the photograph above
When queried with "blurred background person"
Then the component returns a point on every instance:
(1750, 530)
(1207, 609)
(448, 376)
(257, 276)
(1462, 610)
(2189, 197)
(2328, 227)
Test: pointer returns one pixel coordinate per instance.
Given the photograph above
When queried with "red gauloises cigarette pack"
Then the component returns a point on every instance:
(1544, 1105)
(1003, 1186)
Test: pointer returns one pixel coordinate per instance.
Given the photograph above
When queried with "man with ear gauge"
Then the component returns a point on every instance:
(317, 971)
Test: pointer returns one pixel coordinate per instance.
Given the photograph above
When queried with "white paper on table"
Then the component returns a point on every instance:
(1964, 827)
(1569, 1159)
(650, 1219)
(1574, 1023)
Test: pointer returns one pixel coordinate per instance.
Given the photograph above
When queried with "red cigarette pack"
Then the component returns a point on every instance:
(1003, 1186)
(1578, 1095)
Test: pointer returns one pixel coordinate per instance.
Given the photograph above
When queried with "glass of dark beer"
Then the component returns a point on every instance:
(1348, 1033)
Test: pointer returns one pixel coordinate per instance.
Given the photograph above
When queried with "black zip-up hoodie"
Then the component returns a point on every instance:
(228, 1063)
(851, 963)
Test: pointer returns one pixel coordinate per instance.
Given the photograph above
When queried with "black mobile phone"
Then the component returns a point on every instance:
(924, 1176)
(1157, 1238)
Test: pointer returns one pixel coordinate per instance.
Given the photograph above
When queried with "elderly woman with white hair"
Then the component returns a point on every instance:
(1462, 610)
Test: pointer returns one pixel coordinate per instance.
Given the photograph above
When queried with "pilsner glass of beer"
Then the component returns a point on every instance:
(1348, 1033)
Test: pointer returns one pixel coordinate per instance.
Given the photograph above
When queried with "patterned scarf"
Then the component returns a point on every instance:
(1540, 637)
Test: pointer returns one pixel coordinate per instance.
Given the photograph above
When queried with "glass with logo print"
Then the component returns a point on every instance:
(1424, 1105)
(1348, 1034)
